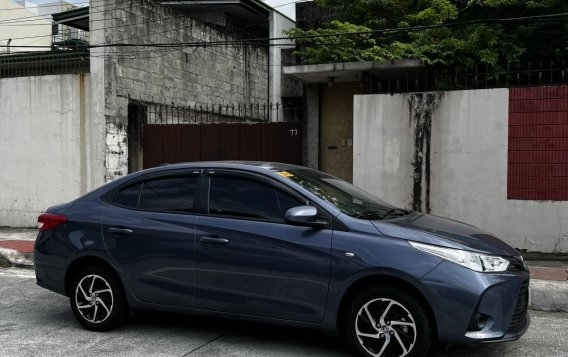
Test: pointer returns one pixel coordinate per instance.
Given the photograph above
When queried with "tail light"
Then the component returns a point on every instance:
(47, 221)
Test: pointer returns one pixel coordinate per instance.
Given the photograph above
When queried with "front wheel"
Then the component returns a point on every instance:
(387, 322)
(97, 299)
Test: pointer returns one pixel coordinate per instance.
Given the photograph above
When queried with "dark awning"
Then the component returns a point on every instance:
(77, 18)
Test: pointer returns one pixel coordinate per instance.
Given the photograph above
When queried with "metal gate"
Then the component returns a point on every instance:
(173, 134)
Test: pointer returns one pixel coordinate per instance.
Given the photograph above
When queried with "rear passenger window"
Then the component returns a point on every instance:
(128, 196)
(174, 194)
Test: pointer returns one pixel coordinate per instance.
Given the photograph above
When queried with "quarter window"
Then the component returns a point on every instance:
(128, 197)
(235, 197)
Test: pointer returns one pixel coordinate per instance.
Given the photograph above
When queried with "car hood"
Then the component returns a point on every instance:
(441, 231)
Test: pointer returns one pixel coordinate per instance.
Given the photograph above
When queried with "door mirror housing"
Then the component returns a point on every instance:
(304, 216)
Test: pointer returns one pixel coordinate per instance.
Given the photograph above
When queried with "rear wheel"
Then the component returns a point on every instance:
(97, 299)
(387, 322)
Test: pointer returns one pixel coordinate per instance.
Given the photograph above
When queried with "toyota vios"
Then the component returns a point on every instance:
(280, 244)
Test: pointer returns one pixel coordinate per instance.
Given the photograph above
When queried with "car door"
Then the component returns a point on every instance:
(149, 231)
(249, 261)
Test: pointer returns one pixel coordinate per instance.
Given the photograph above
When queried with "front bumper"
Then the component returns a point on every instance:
(459, 296)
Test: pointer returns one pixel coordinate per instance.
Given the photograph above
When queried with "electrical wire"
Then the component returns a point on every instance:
(317, 36)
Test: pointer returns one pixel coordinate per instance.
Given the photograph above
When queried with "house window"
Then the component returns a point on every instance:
(538, 144)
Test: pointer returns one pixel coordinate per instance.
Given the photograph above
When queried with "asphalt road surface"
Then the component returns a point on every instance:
(36, 322)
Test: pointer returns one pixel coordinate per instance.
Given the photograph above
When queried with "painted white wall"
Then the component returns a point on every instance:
(468, 168)
(42, 144)
(36, 31)
(383, 147)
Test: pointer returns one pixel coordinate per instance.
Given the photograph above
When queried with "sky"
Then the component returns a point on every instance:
(288, 10)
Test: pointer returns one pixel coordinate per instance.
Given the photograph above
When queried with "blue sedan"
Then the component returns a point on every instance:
(280, 244)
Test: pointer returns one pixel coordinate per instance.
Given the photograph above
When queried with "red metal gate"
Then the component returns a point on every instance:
(171, 143)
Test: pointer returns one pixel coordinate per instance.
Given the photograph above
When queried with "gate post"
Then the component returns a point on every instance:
(136, 120)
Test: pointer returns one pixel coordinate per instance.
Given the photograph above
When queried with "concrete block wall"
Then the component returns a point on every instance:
(184, 76)
(468, 143)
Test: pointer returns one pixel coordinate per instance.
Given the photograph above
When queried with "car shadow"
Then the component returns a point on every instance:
(299, 339)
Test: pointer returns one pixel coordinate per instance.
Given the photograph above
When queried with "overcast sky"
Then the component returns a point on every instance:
(288, 10)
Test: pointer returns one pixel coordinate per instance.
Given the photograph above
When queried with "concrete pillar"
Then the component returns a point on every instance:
(95, 131)
(311, 125)
(278, 23)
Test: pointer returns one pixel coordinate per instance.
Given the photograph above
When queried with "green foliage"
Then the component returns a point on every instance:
(480, 43)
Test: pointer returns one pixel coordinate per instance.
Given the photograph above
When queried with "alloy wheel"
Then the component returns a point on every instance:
(385, 328)
(94, 298)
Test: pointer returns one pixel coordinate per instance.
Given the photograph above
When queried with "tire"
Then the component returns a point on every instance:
(404, 330)
(97, 299)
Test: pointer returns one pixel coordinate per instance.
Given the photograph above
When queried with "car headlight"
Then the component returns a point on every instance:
(471, 260)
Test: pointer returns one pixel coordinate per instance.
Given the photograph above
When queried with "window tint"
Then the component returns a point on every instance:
(248, 199)
(129, 196)
(169, 194)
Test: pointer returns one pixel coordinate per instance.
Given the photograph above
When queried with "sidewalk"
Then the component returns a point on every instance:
(549, 278)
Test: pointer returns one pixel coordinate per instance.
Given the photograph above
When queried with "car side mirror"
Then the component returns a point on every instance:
(304, 216)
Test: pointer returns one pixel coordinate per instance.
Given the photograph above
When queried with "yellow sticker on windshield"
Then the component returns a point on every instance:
(285, 174)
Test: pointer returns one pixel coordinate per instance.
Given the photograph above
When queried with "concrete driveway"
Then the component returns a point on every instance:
(36, 322)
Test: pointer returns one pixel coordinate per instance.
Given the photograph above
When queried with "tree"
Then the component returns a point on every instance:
(485, 41)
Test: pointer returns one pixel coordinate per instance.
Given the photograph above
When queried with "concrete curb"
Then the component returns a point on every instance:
(12, 257)
(546, 295)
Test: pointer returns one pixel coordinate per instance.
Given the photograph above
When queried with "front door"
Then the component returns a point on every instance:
(149, 230)
(249, 261)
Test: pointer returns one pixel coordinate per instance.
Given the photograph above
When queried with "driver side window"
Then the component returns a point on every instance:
(242, 198)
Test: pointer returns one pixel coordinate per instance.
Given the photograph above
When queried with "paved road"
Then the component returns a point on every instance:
(36, 322)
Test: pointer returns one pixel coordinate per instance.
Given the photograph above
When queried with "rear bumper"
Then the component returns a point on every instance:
(459, 296)
(49, 268)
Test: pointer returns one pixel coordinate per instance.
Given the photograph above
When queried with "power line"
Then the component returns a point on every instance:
(39, 5)
(38, 17)
(339, 34)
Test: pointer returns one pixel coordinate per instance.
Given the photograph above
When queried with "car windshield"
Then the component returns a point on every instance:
(347, 198)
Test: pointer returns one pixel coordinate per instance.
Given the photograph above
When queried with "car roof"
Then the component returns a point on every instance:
(233, 164)
(270, 168)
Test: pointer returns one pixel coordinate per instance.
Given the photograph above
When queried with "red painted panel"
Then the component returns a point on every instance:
(538, 143)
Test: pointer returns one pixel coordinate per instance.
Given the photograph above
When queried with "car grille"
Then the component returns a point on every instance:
(520, 312)
(515, 264)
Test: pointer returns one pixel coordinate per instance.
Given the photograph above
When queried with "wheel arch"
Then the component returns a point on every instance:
(89, 260)
(383, 279)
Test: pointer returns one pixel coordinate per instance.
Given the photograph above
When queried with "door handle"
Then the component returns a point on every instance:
(214, 240)
(120, 230)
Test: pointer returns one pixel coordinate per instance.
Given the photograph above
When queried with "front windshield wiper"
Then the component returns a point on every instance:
(395, 212)
(368, 215)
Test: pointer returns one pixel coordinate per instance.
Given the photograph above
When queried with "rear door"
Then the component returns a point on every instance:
(149, 231)
(249, 261)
